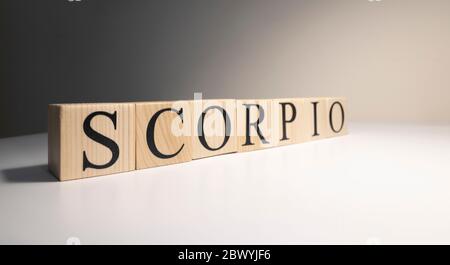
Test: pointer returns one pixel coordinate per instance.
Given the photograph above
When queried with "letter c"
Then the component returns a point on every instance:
(151, 134)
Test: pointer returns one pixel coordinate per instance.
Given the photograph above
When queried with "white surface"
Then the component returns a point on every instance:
(379, 184)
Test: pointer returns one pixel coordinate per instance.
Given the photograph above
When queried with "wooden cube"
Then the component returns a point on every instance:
(163, 133)
(293, 117)
(337, 116)
(214, 127)
(86, 140)
(254, 125)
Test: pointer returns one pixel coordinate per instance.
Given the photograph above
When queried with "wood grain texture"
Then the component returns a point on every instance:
(172, 133)
(254, 111)
(54, 139)
(150, 134)
(68, 142)
(218, 127)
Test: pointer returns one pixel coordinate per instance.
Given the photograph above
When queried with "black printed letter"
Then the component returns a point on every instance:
(331, 117)
(283, 116)
(255, 124)
(101, 139)
(151, 134)
(201, 130)
(315, 118)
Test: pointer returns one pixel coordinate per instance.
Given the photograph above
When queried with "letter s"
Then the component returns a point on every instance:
(101, 139)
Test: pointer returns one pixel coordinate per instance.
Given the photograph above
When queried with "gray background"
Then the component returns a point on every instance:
(391, 59)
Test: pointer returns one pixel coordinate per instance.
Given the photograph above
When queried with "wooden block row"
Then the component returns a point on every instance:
(88, 140)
